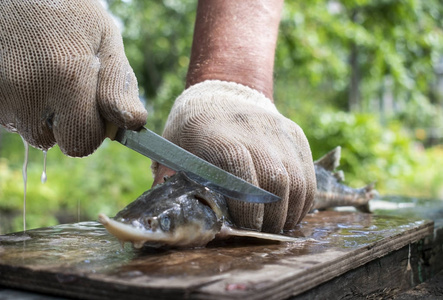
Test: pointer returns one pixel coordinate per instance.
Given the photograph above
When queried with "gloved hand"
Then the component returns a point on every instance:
(63, 74)
(239, 130)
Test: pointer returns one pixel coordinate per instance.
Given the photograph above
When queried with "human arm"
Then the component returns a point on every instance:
(235, 41)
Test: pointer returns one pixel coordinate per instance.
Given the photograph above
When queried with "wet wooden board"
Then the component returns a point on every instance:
(82, 261)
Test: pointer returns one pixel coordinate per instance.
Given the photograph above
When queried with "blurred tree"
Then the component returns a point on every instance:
(373, 55)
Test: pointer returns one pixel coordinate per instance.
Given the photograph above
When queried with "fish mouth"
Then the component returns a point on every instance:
(191, 235)
(137, 235)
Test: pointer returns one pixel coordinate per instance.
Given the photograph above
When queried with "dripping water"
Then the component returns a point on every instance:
(44, 177)
(78, 210)
(25, 180)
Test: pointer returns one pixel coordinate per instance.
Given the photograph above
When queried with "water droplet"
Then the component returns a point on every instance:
(25, 180)
(78, 210)
(44, 177)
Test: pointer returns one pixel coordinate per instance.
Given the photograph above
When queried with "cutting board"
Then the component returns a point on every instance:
(83, 261)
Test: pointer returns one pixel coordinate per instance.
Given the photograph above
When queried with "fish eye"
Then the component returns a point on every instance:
(165, 222)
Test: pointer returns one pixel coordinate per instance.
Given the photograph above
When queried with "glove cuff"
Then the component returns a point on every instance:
(212, 90)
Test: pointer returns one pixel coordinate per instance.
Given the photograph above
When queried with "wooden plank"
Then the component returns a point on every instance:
(381, 278)
(295, 281)
(412, 272)
(432, 289)
(10, 294)
(83, 261)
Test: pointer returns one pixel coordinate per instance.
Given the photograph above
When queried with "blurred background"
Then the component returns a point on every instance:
(363, 74)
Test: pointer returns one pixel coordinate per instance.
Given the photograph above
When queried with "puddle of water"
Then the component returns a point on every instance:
(84, 246)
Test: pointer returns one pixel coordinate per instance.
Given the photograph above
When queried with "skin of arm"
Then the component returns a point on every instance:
(235, 41)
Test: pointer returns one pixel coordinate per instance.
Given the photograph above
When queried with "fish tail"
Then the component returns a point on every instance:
(370, 193)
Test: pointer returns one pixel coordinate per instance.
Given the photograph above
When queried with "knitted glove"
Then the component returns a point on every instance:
(63, 74)
(239, 130)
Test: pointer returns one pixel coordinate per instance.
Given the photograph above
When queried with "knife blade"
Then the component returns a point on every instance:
(176, 158)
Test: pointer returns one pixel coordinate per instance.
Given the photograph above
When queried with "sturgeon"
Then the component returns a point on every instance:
(182, 213)
(331, 192)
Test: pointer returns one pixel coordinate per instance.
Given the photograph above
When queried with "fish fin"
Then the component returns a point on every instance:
(227, 231)
(331, 160)
(339, 175)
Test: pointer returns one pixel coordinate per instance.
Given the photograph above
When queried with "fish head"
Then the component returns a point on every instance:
(177, 213)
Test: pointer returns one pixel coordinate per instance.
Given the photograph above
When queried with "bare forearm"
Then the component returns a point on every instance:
(235, 41)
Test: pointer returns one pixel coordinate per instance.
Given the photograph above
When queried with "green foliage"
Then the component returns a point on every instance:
(384, 152)
(386, 155)
(426, 178)
(399, 42)
(370, 152)
(158, 38)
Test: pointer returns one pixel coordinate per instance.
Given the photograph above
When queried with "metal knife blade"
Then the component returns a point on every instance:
(172, 156)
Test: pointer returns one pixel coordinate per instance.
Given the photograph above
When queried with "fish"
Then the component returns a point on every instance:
(331, 192)
(181, 213)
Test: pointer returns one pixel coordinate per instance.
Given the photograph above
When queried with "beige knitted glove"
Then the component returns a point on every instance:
(63, 72)
(240, 130)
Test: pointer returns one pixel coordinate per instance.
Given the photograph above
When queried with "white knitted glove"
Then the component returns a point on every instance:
(63, 72)
(239, 130)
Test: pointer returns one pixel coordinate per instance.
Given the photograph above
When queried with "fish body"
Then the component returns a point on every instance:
(178, 213)
(183, 213)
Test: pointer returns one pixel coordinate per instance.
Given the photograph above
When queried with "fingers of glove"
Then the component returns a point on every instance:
(17, 114)
(261, 167)
(273, 177)
(310, 192)
(282, 158)
(79, 139)
(117, 91)
(296, 196)
(231, 156)
(301, 176)
(54, 100)
(74, 113)
(67, 115)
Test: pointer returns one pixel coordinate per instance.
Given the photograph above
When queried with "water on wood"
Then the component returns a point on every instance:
(25, 180)
(25, 176)
(86, 247)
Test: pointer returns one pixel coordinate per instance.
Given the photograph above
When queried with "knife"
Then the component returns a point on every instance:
(176, 158)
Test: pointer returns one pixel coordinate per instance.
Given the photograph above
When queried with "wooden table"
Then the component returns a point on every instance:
(336, 249)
